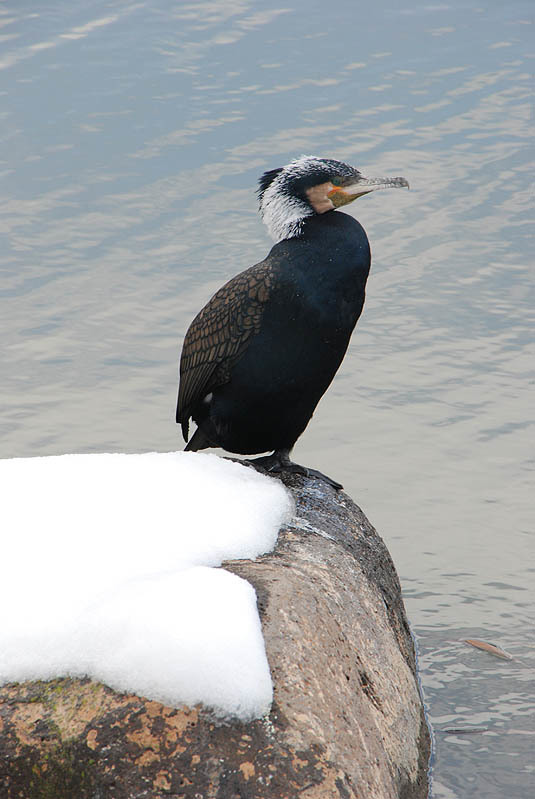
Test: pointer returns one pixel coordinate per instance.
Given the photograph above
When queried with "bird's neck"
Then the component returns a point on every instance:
(332, 248)
(283, 214)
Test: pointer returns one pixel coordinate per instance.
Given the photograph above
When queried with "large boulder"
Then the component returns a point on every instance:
(347, 718)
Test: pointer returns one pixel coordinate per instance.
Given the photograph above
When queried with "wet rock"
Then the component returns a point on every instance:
(347, 719)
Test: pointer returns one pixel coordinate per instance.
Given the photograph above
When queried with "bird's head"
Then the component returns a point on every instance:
(308, 186)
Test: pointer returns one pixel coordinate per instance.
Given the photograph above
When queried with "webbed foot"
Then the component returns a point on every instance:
(280, 461)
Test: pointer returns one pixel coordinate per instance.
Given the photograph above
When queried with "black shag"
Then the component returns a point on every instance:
(260, 355)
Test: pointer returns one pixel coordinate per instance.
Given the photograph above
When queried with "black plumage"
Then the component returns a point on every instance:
(259, 356)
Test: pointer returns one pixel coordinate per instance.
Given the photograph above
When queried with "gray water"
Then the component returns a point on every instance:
(132, 137)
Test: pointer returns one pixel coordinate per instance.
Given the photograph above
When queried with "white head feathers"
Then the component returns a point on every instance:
(283, 212)
(285, 193)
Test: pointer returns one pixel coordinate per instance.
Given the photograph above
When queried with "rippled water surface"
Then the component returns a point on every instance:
(132, 137)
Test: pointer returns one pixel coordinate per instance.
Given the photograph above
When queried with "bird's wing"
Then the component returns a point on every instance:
(219, 334)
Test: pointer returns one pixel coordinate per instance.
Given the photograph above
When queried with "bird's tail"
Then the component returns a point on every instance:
(199, 440)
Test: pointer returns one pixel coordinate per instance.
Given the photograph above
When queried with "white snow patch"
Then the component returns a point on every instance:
(108, 572)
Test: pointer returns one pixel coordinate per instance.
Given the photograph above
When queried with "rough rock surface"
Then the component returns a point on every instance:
(347, 721)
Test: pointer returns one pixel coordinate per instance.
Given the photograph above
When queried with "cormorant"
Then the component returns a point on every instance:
(259, 356)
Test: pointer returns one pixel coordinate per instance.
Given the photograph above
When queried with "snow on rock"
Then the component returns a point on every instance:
(108, 572)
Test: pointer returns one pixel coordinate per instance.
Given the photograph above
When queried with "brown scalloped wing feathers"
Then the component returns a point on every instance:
(219, 334)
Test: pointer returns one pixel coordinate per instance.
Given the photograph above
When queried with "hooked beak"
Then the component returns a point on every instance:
(341, 195)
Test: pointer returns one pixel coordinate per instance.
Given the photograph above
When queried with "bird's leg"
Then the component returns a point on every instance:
(279, 461)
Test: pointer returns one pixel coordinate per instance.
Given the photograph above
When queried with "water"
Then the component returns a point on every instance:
(132, 138)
